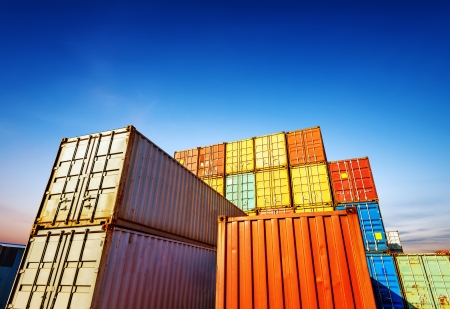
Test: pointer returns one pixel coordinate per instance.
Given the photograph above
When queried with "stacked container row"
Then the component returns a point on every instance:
(119, 215)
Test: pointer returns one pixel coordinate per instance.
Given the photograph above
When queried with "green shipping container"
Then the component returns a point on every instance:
(425, 280)
(240, 190)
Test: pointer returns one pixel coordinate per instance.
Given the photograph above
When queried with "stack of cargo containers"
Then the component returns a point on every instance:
(353, 186)
(121, 223)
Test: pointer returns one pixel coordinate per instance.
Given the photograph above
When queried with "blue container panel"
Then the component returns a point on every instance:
(240, 190)
(372, 227)
(385, 282)
(8, 271)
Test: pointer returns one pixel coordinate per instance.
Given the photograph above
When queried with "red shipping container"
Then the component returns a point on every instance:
(305, 147)
(352, 181)
(211, 162)
(309, 260)
(188, 158)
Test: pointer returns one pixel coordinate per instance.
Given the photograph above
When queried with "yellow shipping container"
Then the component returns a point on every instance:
(311, 185)
(314, 209)
(216, 183)
(270, 151)
(272, 189)
(240, 157)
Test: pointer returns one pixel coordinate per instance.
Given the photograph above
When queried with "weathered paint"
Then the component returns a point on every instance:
(352, 181)
(87, 267)
(240, 190)
(273, 189)
(311, 185)
(10, 257)
(211, 161)
(292, 261)
(394, 243)
(121, 177)
(425, 280)
(270, 151)
(372, 226)
(188, 158)
(240, 156)
(305, 147)
(216, 183)
(385, 282)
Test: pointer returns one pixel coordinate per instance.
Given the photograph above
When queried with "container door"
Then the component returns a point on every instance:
(270, 151)
(59, 269)
(216, 183)
(188, 158)
(272, 189)
(84, 180)
(211, 162)
(305, 147)
(415, 284)
(438, 275)
(240, 157)
(240, 190)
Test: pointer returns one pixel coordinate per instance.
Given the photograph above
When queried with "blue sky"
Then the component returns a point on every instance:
(375, 76)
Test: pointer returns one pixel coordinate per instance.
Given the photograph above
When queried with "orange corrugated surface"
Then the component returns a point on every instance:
(305, 147)
(313, 260)
(188, 158)
(211, 161)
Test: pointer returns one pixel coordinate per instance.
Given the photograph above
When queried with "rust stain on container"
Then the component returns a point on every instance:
(211, 162)
(292, 261)
(305, 147)
(352, 181)
(188, 158)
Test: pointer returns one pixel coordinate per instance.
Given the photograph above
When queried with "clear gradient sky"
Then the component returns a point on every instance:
(375, 75)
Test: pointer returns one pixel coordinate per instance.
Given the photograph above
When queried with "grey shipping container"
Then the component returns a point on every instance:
(10, 256)
(88, 267)
(394, 243)
(120, 177)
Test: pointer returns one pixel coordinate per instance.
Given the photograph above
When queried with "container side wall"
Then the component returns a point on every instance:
(293, 261)
(305, 147)
(160, 194)
(352, 181)
(240, 190)
(385, 282)
(10, 258)
(272, 189)
(146, 271)
(240, 157)
(188, 158)
(59, 269)
(211, 162)
(270, 151)
(372, 227)
(437, 269)
(216, 183)
(311, 186)
(83, 183)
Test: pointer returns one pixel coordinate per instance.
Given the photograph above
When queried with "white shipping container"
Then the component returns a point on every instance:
(120, 177)
(394, 243)
(88, 267)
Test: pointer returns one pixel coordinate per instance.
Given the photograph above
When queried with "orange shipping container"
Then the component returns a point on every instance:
(188, 158)
(211, 162)
(352, 181)
(313, 260)
(305, 147)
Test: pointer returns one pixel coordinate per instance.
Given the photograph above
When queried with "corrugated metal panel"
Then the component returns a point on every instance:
(394, 243)
(292, 261)
(121, 175)
(211, 162)
(385, 282)
(240, 190)
(240, 156)
(273, 189)
(305, 147)
(159, 194)
(135, 270)
(372, 226)
(216, 183)
(314, 209)
(425, 280)
(10, 256)
(270, 151)
(145, 271)
(188, 158)
(352, 181)
(311, 185)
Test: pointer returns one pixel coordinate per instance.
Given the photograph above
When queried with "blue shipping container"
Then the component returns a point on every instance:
(240, 190)
(372, 227)
(385, 283)
(10, 257)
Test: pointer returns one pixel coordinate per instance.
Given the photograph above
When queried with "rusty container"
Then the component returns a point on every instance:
(211, 161)
(116, 268)
(120, 177)
(188, 158)
(311, 260)
(352, 181)
(305, 147)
